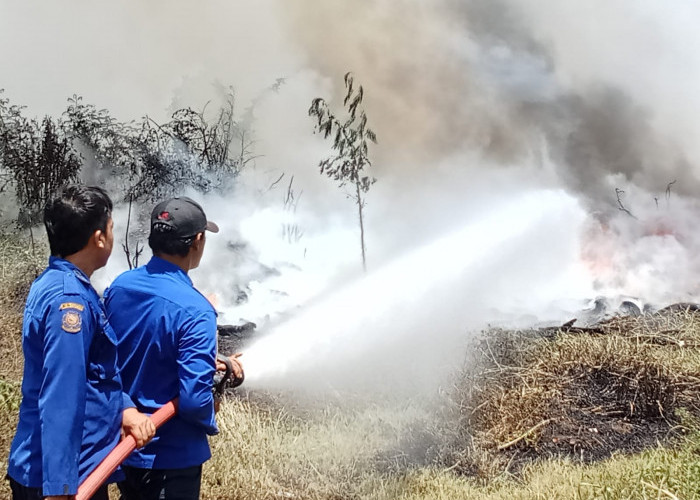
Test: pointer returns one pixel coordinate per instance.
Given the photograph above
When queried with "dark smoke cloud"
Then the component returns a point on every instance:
(477, 75)
(603, 133)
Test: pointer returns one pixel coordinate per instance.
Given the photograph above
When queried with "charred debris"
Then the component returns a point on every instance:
(232, 338)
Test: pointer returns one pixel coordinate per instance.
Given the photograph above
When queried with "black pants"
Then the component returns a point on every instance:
(20, 492)
(161, 484)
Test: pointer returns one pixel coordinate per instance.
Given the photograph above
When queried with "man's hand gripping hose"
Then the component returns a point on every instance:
(232, 376)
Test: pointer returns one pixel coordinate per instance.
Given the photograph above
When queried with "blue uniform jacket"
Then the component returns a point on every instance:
(166, 333)
(70, 414)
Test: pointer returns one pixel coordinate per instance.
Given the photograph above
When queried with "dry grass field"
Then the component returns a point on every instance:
(605, 412)
(18, 267)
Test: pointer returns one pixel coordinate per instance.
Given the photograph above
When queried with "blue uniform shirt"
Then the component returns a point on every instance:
(70, 414)
(166, 333)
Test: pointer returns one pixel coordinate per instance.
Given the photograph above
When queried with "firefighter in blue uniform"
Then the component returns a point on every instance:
(72, 401)
(166, 333)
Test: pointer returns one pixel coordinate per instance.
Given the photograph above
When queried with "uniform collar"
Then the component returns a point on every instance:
(66, 266)
(158, 265)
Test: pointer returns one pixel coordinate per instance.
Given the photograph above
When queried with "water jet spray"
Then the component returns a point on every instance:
(384, 306)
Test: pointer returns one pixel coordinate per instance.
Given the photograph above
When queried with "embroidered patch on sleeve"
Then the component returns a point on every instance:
(71, 305)
(71, 321)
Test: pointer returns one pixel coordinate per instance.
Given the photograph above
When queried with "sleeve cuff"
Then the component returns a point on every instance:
(51, 488)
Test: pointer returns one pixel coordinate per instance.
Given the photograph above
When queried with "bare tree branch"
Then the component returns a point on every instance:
(619, 192)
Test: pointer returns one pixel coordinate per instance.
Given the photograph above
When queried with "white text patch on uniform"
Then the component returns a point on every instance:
(71, 305)
(71, 321)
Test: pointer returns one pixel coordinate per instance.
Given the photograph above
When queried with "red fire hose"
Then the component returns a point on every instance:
(110, 463)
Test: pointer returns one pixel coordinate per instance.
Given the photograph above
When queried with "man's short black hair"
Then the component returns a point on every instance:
(163, 243)
(73, 214)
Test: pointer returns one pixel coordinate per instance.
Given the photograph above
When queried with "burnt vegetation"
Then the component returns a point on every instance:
(625, 384)
(201, 150)
(137, 162)
(142, 160)
(36, 157)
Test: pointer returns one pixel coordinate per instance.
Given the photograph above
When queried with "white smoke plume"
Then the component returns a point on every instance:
(474, 103)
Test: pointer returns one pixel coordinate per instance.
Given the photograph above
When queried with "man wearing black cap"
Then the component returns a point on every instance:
(166, 332)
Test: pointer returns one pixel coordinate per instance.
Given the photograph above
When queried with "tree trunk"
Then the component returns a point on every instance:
(125, 245)
(362, 225)
(31, 238)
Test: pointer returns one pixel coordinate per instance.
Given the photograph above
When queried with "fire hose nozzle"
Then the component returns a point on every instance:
(228, 378)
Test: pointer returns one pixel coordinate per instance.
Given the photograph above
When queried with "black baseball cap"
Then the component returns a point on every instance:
(183, 216)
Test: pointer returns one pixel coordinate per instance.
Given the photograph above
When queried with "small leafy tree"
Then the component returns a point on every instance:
(351, 138)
